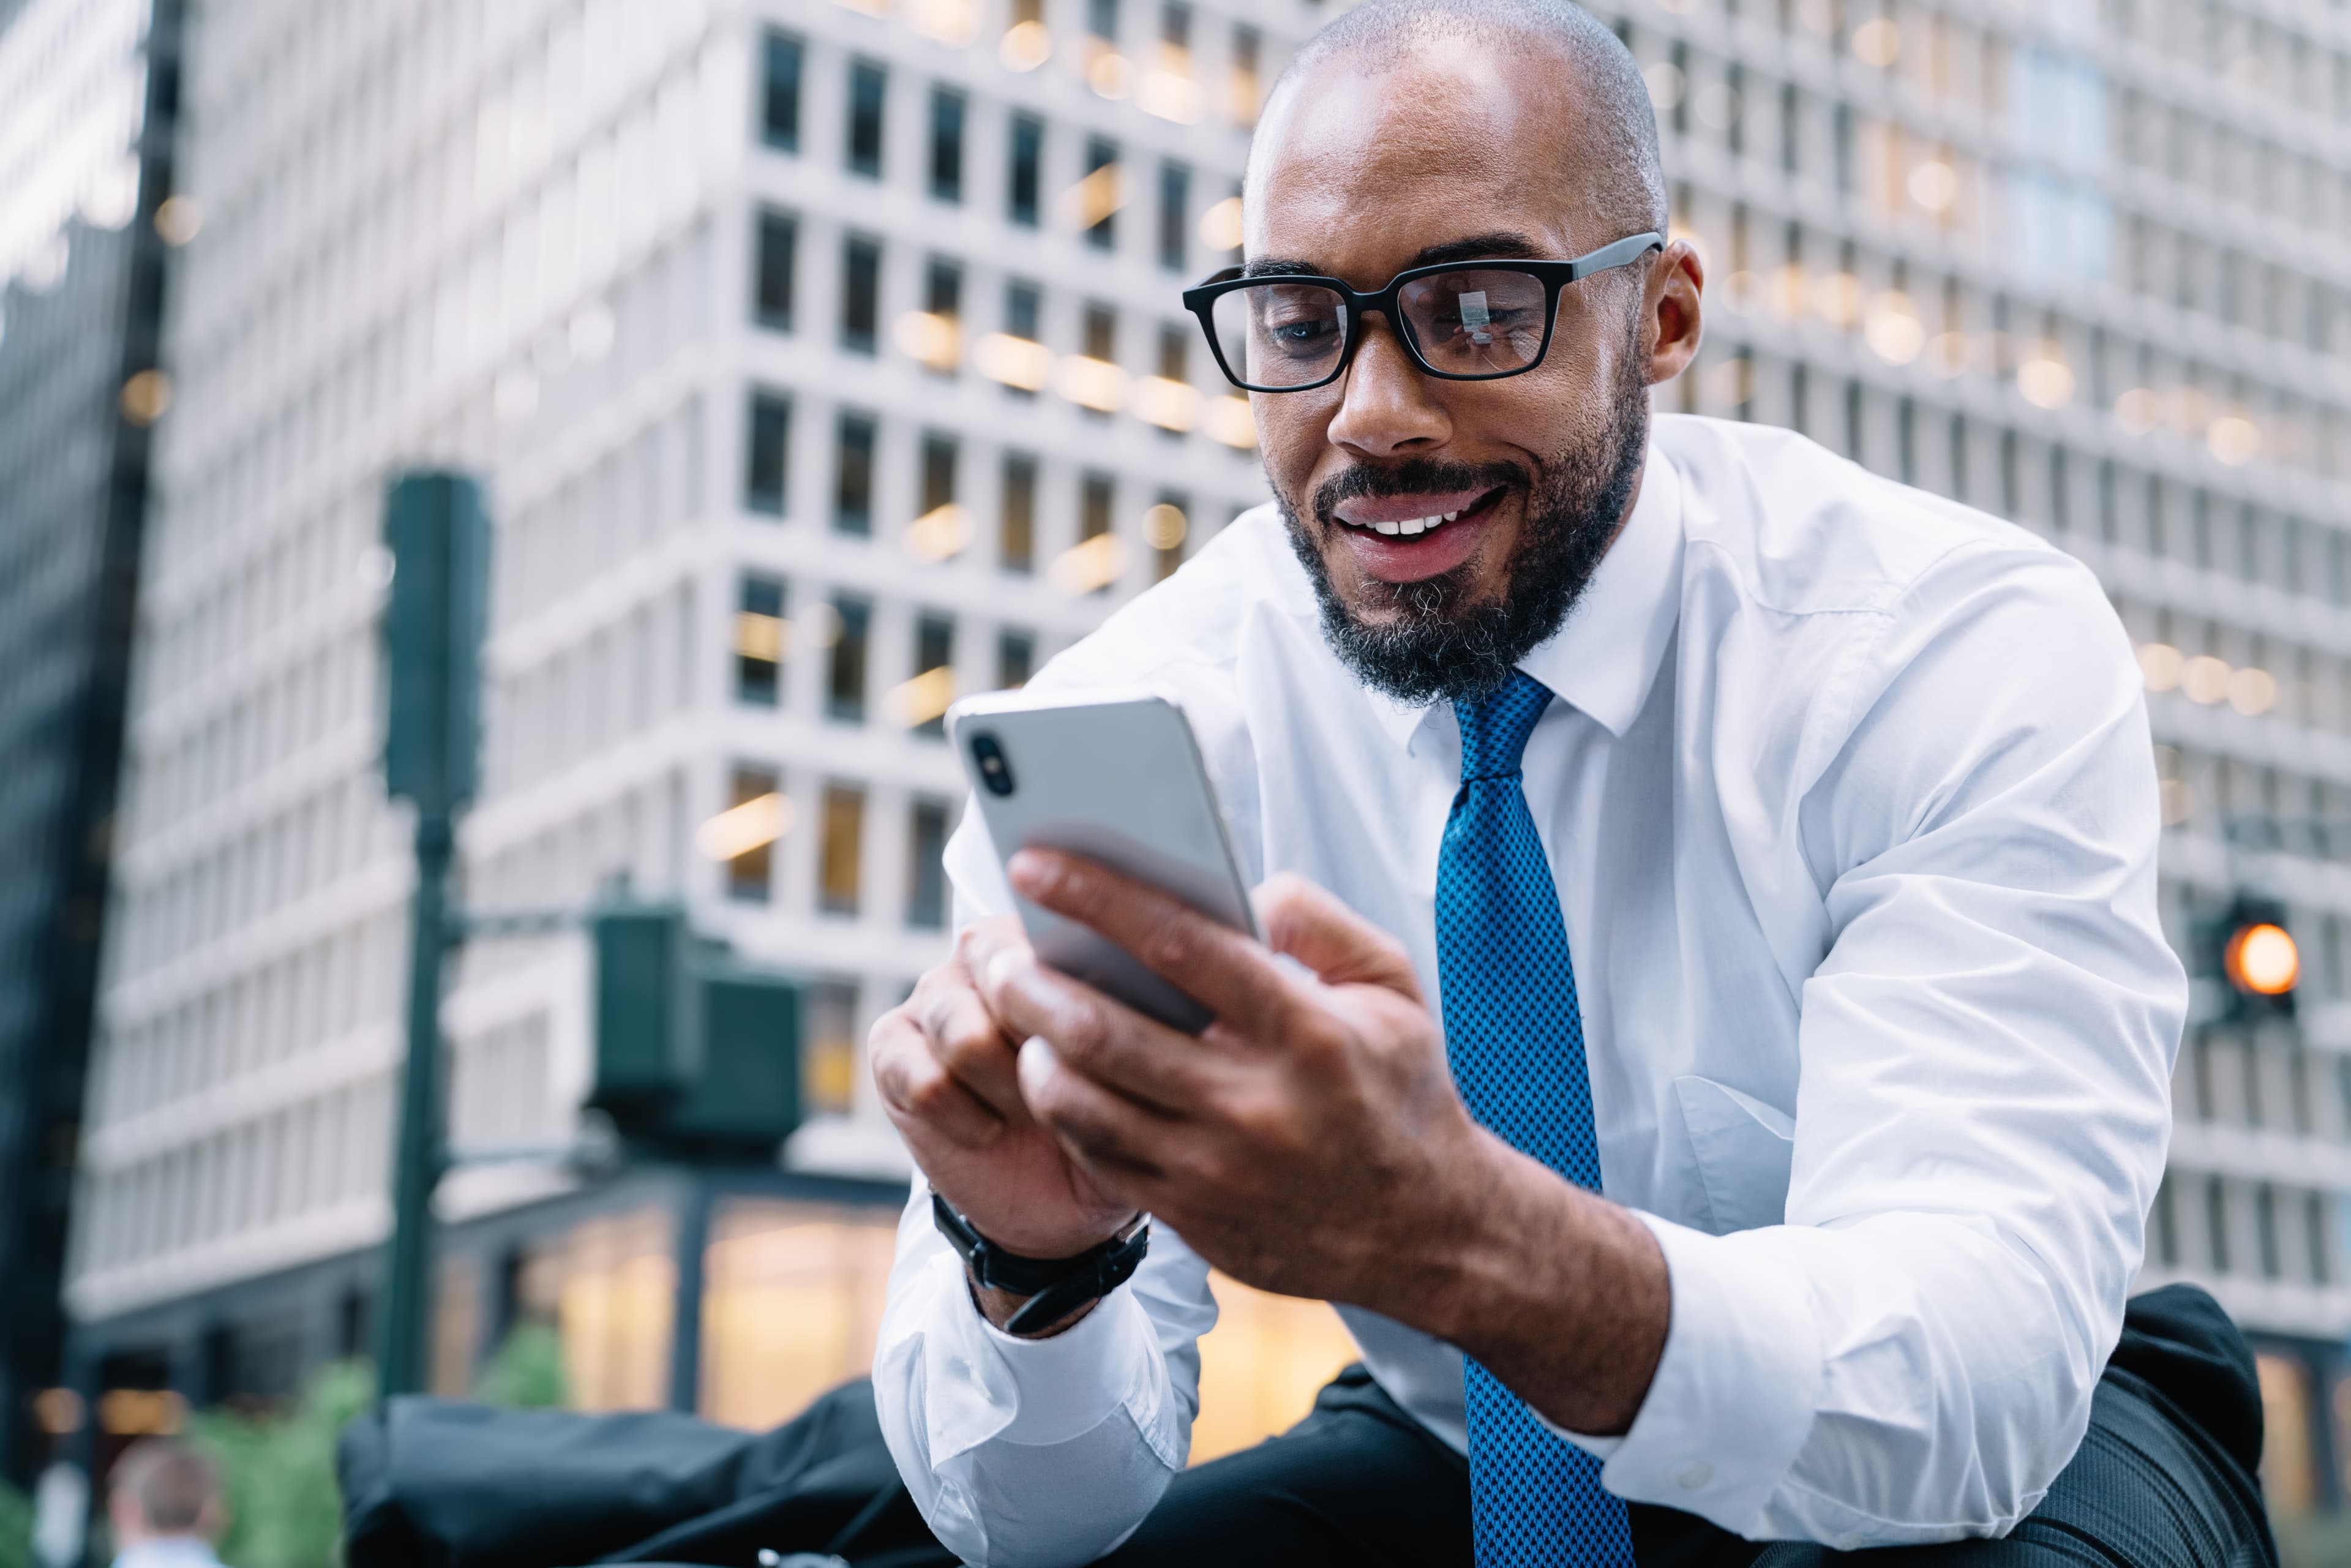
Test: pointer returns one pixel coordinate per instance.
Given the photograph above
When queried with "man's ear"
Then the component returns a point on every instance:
(1676, 319)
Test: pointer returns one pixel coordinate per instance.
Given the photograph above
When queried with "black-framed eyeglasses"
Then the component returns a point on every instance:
(1460, 320)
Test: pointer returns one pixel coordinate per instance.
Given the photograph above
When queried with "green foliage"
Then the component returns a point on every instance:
(284, 1510)
(15, 1528)
(526, 1372)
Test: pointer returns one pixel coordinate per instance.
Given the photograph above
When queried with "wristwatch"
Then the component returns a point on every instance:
(1055, 1287)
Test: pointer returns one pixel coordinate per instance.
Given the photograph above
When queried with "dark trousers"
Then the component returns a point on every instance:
(2164, 1479)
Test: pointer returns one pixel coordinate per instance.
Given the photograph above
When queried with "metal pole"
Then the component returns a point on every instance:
(408, 1282)
(685, 1324)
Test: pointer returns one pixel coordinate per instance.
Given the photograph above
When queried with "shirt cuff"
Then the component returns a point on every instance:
(1734, 1392)
(1069, 1384)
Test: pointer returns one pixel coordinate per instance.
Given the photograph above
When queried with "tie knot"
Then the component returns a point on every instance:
(1494, 729)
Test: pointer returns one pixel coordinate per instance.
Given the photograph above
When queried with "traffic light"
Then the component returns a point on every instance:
(2251, 948)
(439, 538)
(697, 1053)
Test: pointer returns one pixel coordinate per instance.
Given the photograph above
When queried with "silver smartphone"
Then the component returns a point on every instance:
(1115, 776)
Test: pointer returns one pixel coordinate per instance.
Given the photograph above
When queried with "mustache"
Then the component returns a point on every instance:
(1413, 475)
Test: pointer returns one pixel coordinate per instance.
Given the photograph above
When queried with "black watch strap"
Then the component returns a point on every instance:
(1055, 1287)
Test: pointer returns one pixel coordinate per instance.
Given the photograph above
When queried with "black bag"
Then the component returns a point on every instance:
(436, 1483)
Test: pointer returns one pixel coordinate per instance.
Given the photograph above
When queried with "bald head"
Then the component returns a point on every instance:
(1612, 157)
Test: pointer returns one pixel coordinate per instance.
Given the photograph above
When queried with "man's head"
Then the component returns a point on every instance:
(161, 1489)
(1412, 131)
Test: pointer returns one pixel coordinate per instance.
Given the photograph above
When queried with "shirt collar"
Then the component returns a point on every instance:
(1605, 658)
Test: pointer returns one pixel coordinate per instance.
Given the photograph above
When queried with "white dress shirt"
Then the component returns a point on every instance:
(1847, 794)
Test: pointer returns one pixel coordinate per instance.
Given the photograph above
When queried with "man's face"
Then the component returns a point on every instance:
(1452, 155)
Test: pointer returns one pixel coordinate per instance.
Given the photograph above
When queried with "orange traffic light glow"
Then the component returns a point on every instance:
(2262, 959)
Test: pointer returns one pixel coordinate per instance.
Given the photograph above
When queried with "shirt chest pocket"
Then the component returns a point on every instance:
(1743, 1148)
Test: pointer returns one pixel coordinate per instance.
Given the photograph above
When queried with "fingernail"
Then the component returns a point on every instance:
(1037, 1060)
(1033, 871)
(999, 970)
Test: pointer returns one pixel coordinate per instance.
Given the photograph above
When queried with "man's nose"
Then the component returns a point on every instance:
(1386, 406)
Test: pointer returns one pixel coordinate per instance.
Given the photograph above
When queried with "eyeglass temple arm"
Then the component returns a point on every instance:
(1629, 249)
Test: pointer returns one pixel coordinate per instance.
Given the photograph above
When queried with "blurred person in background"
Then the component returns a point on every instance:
(1839, 795)
(167, 1507)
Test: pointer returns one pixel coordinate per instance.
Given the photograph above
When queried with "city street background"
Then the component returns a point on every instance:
(820, 362)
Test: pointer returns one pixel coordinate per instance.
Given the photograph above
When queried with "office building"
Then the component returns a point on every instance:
(85, 161)
(823, 363)
(826, 362)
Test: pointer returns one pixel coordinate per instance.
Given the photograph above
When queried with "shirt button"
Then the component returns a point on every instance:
(1695, 1474)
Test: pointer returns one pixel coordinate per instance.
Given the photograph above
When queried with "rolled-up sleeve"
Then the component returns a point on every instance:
(1983, 1106)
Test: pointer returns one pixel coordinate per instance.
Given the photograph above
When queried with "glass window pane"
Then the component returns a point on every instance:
(926, 877)
(768, 446)
(751, 870)
(845, 678)
(946, 144)
(772, 267)
(1018, 534)
(841, 855)
(760, 634)
(860, 294)
(868, 83)
(1025, 176)
(779, 104)
(852, 492)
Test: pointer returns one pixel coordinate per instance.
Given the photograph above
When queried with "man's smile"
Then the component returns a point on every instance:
(1424, 534)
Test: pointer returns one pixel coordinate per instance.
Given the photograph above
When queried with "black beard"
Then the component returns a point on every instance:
(1436, 646)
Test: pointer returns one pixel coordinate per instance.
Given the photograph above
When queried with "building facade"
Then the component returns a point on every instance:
(826, 363)
(85, 157)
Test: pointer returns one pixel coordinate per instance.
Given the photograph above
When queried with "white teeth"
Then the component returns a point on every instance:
(1388, 527)
(1414, 525)
(1451, 515)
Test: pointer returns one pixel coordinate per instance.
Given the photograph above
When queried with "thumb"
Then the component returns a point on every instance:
(1310, 925)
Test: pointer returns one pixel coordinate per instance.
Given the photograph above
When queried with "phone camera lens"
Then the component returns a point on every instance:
(995, 772)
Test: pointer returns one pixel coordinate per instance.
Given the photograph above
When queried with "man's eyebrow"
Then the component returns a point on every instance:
(1267, 267)
(1501, 245)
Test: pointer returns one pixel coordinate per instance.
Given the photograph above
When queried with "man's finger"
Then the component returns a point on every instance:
(1100, 1127)
(1311, 926)
(919, 1090)
(1229, 972)
(969, 1043)
(1103, 1039)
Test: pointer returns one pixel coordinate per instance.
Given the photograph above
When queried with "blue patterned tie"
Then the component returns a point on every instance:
(1516, 1040)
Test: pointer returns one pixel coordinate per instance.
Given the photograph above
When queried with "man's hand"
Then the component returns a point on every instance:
(1311, 1141)
(945, 1072)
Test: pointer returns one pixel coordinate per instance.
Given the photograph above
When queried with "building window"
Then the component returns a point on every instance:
(934, 650)
(1242, 85)
(1024, 183)
(1101, 177)
(839, 860)
(943, 300)
(1175, 202)
(1164, 528)
(938, 472)
(1097, 493)
(755, 811)
(771, 271)
(946, 144)
(828, 1056)
(868, 84)
(844, 685)
(1024, 306)
(759, 642)
(860, 294)
(768, 447)
(852, 476)
(1016, 658)
(1017, 538)
(926, 872)
(780, 97)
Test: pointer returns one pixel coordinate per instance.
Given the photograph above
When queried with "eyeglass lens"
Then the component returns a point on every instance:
(1480, 322)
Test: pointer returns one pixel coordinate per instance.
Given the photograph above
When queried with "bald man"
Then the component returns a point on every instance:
(1712, 1030)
